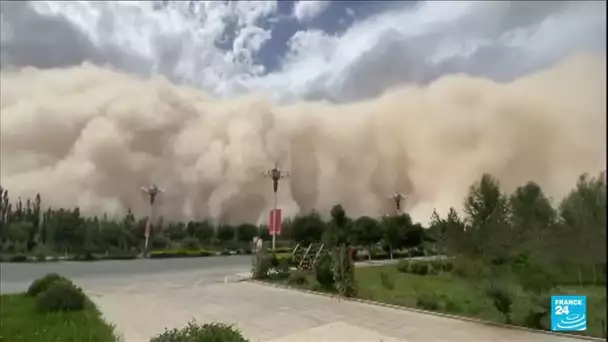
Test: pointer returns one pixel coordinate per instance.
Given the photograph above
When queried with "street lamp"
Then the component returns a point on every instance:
(152, 191)
(275, 174)
(398, 198)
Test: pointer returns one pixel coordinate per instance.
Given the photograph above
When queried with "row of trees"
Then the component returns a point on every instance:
(497, 228)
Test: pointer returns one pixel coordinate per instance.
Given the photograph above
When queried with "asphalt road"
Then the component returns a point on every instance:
(16, 277)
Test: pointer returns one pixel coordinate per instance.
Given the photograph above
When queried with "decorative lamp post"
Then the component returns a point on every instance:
(275, 174)
(152, 191)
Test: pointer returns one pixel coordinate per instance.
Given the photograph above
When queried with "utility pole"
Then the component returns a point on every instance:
(152, 191)
(398, 198)
(275, 174)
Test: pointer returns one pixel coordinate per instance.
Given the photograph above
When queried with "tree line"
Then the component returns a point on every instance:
(496, 228)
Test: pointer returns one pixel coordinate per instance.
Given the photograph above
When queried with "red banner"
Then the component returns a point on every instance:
(274, 224)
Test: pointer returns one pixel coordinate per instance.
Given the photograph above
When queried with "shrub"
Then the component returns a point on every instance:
(537, 315)
(420, 268)
(468, 268)
(324, 273)
(119, 256)
(225, 252)
(280, 250)
(41, 252)
(179, 254)
(452, 306)
(86, 256)
(42, 284)
(427, 302)
(210, 332)
(502, 300)
(403, 266)
(18, 258)
(297, 278)
(387, 281)
(281, 271)
(61, 295)
(191, 243)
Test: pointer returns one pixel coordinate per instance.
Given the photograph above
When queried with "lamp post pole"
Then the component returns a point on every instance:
(152, 191)
(398, 198)
(275, 174)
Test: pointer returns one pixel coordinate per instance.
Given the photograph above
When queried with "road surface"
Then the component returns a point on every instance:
(143, 297)
(16, 277)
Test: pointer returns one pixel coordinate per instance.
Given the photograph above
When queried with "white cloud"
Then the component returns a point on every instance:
(305, 11)
(413, 43)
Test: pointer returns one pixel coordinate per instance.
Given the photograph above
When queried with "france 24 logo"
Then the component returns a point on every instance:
(568, 313)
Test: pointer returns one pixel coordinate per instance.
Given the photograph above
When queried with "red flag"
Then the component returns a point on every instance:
(274, 224)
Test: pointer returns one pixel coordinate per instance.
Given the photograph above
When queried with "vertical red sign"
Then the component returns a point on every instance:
(274, 224)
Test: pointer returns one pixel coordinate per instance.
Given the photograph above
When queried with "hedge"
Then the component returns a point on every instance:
(180, 254)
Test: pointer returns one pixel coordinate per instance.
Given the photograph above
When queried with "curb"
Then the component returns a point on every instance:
(426, 312)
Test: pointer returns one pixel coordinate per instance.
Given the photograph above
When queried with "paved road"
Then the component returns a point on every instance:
(16, 277)
(268, 314)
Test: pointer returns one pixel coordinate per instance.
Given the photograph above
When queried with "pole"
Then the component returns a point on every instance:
(148, 226)
(274, 222)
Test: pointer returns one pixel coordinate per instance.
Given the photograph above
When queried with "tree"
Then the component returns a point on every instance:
(583, 213)
(203, 231)
(225, 233)
(487, 216)
(393, 230)
(367, 232)
(307, 229)
(246, 232)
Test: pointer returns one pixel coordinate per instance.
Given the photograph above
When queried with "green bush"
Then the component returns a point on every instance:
(225, 252)
(191, 243)
(324, 272)
(41, 252)
(179, 254)
(281, 270)
(18, 258)
(119, 256)
(279, 250)
(502, 300)
(210, 332)
(86, 256)
(297, 278)
(403, 266)
(452, 306)
(420, 268)
(427, 302)
(61, 295)
(42, 284)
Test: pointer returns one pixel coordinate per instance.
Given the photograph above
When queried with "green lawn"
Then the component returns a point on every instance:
(458, 296)
(21, 322)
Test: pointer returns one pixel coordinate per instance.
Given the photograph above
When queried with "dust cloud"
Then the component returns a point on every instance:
(91, 137)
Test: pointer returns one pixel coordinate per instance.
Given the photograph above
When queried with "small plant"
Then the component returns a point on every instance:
(225, 252)
(387, 281)
(42, 284)
(210, 332)
(297, 278)
(62, 295)
(324, 273)
(427, 302)
(281, 271)
(502, 300)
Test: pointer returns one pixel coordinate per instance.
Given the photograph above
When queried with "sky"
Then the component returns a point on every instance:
(338, 51)
(356, 99)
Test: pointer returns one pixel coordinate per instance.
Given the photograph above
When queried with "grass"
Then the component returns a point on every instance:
(21, 322)
(458, 296)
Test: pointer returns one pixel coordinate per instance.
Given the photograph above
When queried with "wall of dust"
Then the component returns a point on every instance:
(91, 137)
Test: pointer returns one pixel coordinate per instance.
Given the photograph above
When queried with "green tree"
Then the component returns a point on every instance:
(246, 232)
(393, 231)
(204, 231)
(225, 233)
(307, 229)
(583, 213)
(367, 232)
